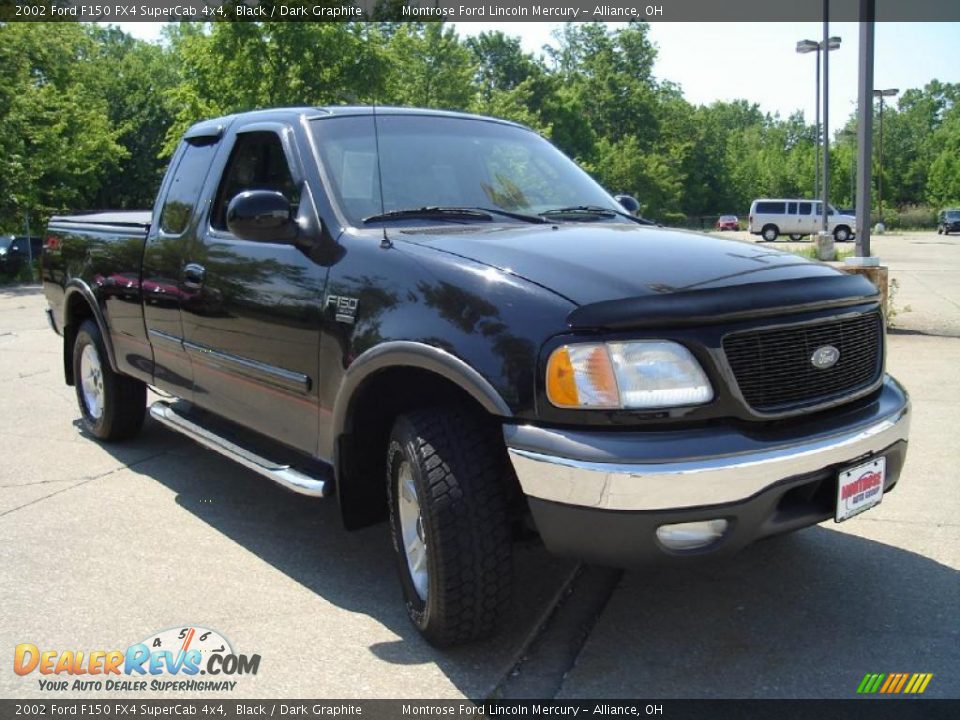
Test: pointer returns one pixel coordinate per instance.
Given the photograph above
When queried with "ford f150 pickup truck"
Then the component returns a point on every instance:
(443, 321)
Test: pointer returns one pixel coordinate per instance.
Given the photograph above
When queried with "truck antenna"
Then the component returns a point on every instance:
(385, 242)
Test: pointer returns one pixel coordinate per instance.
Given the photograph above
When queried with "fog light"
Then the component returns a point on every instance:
(692, 535)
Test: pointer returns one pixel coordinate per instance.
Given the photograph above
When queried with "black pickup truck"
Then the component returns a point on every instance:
(443, 321)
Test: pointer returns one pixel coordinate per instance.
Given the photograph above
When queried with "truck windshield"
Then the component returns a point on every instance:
(445, 162)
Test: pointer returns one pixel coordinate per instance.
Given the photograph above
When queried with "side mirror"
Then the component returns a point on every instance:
(261, 215)
(629, 203)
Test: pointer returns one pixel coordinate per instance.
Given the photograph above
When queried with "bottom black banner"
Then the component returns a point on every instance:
(867, 709)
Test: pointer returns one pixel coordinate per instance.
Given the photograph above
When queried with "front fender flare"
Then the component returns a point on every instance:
(405, 353)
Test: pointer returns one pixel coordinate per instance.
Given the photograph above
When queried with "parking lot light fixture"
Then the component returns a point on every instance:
(812, 46)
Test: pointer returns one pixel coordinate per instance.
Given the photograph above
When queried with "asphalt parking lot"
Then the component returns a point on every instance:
(102, 546)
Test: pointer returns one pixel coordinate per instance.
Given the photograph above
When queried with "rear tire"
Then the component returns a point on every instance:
(449, 523)
(796, 237)
(112, 406)
(770, 232)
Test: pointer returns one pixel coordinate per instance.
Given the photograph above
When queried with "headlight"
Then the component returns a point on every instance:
(625, 375)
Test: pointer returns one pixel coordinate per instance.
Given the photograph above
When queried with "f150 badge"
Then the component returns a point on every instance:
(344, 308)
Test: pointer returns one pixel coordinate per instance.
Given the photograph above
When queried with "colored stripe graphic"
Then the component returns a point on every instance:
(891, 680)
(918, 683)
(894, 683)
(903, 680)
(870, 683)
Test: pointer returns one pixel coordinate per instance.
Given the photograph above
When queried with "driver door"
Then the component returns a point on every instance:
(251, 309)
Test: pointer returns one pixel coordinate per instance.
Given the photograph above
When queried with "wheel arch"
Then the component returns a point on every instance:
(79, 304)
(383, 382)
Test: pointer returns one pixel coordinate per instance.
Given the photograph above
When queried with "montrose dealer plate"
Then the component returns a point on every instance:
(860, 488)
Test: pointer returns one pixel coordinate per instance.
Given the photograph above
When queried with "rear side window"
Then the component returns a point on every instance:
(791, 208)
(257, 162)
(184, 190)
(771, 208)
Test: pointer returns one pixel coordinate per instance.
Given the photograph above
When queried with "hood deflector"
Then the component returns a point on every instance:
(694, 307)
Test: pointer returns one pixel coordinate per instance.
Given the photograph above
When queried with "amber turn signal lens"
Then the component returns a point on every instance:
(561, 383)
(582, 376)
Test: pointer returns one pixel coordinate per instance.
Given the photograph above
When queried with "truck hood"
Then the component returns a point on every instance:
(597, 262)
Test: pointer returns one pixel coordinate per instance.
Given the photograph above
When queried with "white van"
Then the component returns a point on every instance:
(796, 218)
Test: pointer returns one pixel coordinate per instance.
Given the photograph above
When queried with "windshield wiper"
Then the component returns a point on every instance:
(431, 213)
(452, 213)
(596, 211)
(515, 215)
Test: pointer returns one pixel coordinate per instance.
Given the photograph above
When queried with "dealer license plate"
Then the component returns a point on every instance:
(860, 488)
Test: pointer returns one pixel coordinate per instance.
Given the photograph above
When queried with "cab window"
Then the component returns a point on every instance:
(185, 188)
(257, 162)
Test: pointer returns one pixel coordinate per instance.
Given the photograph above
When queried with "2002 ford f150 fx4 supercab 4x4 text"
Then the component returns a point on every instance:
(443, 321)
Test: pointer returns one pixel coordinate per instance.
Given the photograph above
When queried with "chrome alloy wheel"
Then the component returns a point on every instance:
(411, 530)
(91, 381)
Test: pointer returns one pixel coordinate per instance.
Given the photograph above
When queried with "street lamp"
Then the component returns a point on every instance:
(889, 92)
(812, 46)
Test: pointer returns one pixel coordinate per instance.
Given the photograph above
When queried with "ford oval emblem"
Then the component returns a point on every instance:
(825, 357)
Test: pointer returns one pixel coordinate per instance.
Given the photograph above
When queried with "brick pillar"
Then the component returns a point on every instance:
(877, 274)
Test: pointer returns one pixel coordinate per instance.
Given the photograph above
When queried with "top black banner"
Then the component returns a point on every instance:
(474, 10)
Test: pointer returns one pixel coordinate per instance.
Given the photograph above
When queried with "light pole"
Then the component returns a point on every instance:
(889, 92)
(812, 46)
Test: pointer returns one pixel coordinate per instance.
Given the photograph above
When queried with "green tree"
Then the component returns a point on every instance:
(429, 67)
(57, 145)
(135, 79)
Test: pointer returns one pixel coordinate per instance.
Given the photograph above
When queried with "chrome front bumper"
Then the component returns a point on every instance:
(659, 471)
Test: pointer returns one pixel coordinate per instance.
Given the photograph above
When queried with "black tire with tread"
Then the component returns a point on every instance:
(458, 471)
(124, 398)
(775, 231)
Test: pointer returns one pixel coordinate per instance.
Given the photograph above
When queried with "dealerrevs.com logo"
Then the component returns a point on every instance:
(170, 660)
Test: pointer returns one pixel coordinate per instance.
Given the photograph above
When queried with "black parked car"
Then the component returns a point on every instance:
(16, 250)
(948, 221)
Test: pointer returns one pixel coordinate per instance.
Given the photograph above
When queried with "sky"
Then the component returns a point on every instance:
(759, 62)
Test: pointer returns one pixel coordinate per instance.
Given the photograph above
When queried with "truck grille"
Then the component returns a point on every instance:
(773, 366)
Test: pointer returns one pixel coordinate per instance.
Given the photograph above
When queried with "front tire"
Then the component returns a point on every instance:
(449, 523)
(112, 406)
(841, 234)
(770, 232)
(796, 237)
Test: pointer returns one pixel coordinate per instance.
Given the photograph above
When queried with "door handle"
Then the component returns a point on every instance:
(193, 275)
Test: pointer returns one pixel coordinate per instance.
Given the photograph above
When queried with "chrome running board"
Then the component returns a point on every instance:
(281, 474)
